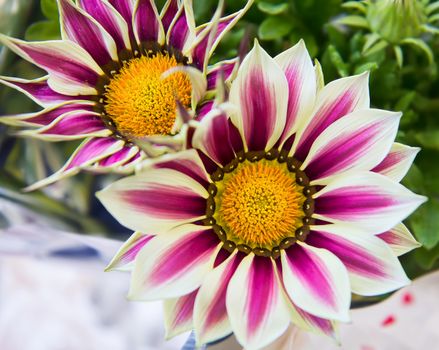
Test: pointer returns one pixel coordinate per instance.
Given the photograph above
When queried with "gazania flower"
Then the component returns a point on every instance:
(116, 76)
(289, 203)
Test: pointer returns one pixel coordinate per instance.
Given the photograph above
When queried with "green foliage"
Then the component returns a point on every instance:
(47, 29)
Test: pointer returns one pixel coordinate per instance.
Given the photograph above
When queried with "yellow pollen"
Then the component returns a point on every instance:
(259, 204)
(140, 102)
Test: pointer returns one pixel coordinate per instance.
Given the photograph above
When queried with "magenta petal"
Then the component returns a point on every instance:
(225, 69)
(125, 8)
(81, 29)
(48, 115)
(180, 28)
(178, 314)
(106, 15)
(169, 11)
(148, 26)
(76, 123)
(120, 157)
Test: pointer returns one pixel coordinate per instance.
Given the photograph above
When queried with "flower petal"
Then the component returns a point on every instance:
(212, 137)
(187, 162)
(211, 322)
(110, 19)
(358, 141)
(125, 256)
(71, 69)
(79, 27)
(116, 160)
(338, 98)
(182, 29)
(255, 305)
(155, 200)
(262, 111)
(399, 239)
(398, 162)
(174, 264)
(71, 126)
(226, 68)
(38, 90)
(147, 23)
(310, 323)
(168, 13)
(367, 200)
(373, 267)
(299, 70)
(316, 281)
(178, 314)
(125, 8)
(87, 153)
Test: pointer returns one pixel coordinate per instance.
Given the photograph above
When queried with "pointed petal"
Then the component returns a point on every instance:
(79, 27)
(358, 141)
(118, 159)
(178, 314)
(310, 323)
(227, 68)
(262, 111)
(155, 200)
(168, 13)
(38, 90)
(182, 29)
(147, 23)
(47, 115)
(367, 200)
(211, 322)
(299, 70)
(125, 256)
(174, 264)
(125, 8)
(71, 126)
(212, 137)
(338, 98)
(255, 305)
(110, 19)
(398, 162)
(399, 239)
(87, 153)
(71, 69)
(187, 162)
(373, 267)
(316, 281)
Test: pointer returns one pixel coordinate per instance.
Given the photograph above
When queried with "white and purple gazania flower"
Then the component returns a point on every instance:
(106, 81)
(289, 202)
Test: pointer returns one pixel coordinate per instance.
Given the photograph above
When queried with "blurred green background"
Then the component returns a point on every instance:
(395, 40)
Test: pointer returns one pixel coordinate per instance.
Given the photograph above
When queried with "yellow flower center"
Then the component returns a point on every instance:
(140, 102)
(259, 204)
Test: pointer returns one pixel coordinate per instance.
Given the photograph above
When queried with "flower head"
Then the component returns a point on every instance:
(289, 201)
(116, 77)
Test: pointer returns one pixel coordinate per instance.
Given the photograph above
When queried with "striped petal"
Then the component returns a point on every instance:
(89, 152)
(398, 162)
(367, 200)
(125, 256)
(71, 69)
(262, 111)
(299, 70)
(226, 68)
(147, 23)
(358, 141)
(170, 9)
(399, 239)
(117, 160)
(79, 27)
(38, 90)
(373, 267)
(211, 322)
(255, 305)
(155, 200)
(178, 314)
(47, 115)
(316, 281)
(335, 100)
(125, 8)
(182, 29)
(71, 126)
(111, 20)
(212, 137)
(187, 162)
(174, 264)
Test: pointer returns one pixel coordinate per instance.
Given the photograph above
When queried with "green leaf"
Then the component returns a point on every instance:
(379, 46)
(426, 258)
(50, 9)
(425, 224)
(275, 27)
(355, 5)
(428, 139)
(272, 9)
(369, 66)
(371, 39)
(354, 21)
(337, 61)
(420, 44)
(399, 56)
(405, 101)
(44, 30)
